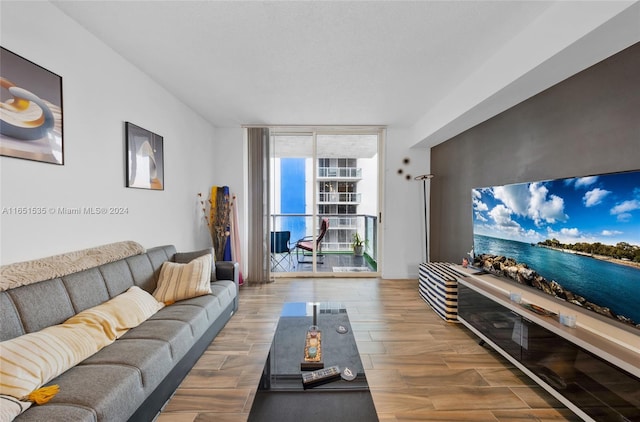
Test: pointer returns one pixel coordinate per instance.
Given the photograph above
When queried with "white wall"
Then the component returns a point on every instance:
(230, 170)
(100, 91)
(403, 209)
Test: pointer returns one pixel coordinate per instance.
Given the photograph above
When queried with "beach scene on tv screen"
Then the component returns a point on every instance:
(577, 239)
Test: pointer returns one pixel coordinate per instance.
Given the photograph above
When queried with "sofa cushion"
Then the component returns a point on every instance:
(225, 291)
(176, 333)
(86, 289)
(117, 276)
(29, 301)
(193, 315)
(58, 412)
(152, 359)
(157, 256)
(111, 392)
(142, 272)
(11, 324)
(184, 281)
(210, 303)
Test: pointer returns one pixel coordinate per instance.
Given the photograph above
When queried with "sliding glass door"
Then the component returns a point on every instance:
(324, 198)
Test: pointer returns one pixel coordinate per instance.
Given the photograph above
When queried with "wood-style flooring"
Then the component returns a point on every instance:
(419, 367)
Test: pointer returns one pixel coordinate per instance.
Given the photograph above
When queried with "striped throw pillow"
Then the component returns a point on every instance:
(11, 407)
(31, 360)
(184, 281)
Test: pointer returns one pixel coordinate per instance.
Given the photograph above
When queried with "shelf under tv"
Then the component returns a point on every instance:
(592, 375)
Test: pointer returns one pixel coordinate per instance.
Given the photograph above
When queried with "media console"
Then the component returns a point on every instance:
(596, 378)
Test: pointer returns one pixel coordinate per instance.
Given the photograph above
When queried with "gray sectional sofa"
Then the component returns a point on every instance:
(132, 378)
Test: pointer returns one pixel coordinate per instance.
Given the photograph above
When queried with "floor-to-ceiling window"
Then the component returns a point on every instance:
(324, 193)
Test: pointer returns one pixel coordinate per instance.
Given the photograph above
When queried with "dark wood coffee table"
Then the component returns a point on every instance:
(281, 395)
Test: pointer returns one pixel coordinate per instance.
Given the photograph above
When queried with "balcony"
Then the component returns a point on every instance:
(336, 245)
(342, 173)
(339, 198)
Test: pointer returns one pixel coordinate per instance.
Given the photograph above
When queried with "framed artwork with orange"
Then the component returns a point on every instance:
(30, 110)
(145, 158)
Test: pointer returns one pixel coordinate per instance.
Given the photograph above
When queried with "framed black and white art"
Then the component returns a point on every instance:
(145, 158)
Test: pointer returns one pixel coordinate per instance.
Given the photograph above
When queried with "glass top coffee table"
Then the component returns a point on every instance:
(281, 394)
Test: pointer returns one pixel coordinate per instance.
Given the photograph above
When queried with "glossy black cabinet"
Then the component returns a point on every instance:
(588, 384)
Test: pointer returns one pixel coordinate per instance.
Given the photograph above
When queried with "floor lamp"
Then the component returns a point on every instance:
(424, 179)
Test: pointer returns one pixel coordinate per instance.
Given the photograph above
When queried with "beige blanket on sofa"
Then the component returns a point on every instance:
(28, 272)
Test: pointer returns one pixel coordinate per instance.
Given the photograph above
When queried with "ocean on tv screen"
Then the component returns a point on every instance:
(581, 233)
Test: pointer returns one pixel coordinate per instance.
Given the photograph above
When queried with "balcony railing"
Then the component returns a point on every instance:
(339, 235)
(339, 198)
(344, 222)
(340, 172)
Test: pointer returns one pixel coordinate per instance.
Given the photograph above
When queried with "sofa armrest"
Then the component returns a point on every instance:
(229, 270)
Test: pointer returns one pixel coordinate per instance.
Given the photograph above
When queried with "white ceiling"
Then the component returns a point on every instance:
(342, 62)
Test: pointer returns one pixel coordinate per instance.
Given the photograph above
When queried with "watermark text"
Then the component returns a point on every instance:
(57, 210)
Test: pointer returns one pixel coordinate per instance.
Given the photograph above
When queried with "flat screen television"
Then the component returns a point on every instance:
(577, 239)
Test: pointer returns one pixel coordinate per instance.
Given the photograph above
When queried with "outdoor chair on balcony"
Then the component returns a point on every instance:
(280, 251)
(305, 246)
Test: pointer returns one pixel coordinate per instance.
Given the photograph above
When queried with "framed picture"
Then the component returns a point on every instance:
(145, 158)
(31, 110)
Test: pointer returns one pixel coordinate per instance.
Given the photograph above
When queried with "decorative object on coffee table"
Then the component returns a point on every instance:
(348, 374)
(312, 350)
(313, 347)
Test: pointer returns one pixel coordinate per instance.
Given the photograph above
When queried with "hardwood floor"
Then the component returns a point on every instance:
(418, 366)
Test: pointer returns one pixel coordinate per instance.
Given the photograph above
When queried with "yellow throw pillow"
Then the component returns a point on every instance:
(31, 360)
(184, 281)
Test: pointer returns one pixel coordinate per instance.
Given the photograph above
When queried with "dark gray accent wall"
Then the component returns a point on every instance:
(585, 125)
